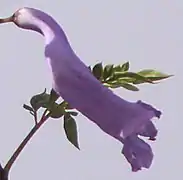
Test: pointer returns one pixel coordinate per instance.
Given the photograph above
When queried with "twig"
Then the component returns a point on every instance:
(25, 141)
(35, 117)
(44, 113)
(3, 174)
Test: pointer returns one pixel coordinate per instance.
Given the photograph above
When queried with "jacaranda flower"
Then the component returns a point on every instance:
(73, 81)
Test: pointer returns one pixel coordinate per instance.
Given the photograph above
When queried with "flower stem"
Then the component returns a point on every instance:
(25, 141)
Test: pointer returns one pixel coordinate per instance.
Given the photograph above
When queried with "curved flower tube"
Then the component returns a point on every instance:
(73, 81)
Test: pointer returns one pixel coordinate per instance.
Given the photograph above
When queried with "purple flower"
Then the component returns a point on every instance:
(73, 81)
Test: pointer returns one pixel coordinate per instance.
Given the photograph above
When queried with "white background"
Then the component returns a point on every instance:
(147, 33)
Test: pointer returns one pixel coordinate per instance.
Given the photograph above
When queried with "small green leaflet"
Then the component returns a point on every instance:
(25, 106)
(70, 128)
(98, 71)
(39, 100)
(122, 68)
(120, 75)
(117, 84)
(53, 96)
(56, 110)
(108, 70)
(153, 74)
(125, 66)
(129, 87)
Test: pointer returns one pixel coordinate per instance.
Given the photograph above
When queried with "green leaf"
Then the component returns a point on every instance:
(112, 85)
(120, 75)
(125, 66)
(70, 128)
(129, 87)
(117, 68)
(45, 100)
(28, 108)
(121, 83)
(127, 79)
(39, 100)
(98, 71)
(66, 105)
(56, 110)
(73, 113)
(53, 96)
(108, 70)
(122, 68)
(153, 74)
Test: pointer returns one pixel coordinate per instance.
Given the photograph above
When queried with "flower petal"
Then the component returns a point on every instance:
(141, 122)
(149, 130)
(138, 153)
(150, 108)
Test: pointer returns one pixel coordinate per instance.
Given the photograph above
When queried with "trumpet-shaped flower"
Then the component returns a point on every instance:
(73, 81)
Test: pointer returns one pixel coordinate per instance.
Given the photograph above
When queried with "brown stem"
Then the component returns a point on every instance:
(24, 142)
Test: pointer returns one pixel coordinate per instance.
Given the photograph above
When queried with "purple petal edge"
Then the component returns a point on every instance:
(138, 153)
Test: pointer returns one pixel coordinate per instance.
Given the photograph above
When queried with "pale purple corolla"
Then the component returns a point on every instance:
(73, 81)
